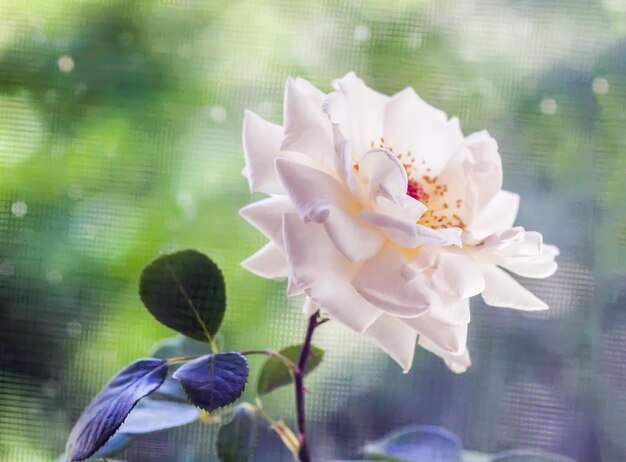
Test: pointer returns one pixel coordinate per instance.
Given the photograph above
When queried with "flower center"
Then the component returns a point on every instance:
(443, 212)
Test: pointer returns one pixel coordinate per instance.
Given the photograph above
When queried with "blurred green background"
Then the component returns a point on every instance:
(120, 128)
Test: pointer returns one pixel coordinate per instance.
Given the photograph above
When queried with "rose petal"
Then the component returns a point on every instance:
(458, 275)
(537, 267)
(410, 235)
(344, 164)
(382, 169)
(324, 274)
(268, 262)
(261, 145)
(321, 198)
(387, 283)
(309, 308)
(451, 310)
(395, 338)
(451, 338)
(483, 169)
(267, 216)
(504, 291)
(364, 113)
(412, 125)
(457, 363)
(499, 214)
(355, 241)
(307, 129)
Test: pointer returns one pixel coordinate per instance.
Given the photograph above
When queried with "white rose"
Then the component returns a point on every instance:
(387, 217)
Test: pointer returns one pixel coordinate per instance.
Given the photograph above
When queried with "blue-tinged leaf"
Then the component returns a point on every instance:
(106, 412)
(236, 439)
(521, 455)
(174, 347)
(214, 381)
(116, 443)
(153, 415)
(416, 444)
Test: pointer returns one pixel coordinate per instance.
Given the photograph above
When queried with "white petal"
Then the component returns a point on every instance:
(451, 310)
(451, 338)
(410, 235)
(324, 274)
(458, 275)
(355, 241)
(344, 164)
(498, 215)
(519, 251)
(395, 338)
(412, 125)
(483, 170)
(311, 189)
(504, 291)
(537, 267)
(268, 262)
(261, 145)
(267, 216)
(403, 208)
(387, 283)
(307, 129)
(382, 169)
(458, 363)
(309, 308)
(321, 198)
(365, 111)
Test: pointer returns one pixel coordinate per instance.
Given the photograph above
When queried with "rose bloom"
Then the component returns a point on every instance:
(386, 217)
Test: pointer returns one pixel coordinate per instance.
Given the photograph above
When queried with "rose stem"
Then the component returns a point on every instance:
(303, 453)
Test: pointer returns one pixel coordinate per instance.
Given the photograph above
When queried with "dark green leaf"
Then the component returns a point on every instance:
(275, 373)
(214, 381)
(106, 412)
(417, 443)
(236, 439)
(185, 291)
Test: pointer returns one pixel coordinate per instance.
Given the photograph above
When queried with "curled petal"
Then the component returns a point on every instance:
(395, 338)
(410, 235)
(387, 282)
(383, 170)
(521, 252)
(321, 198)
(268, 262)
(504, 291)
(318, 268)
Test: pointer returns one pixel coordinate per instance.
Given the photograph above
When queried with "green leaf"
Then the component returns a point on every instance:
(276, 374)
(186, 292)
(236, 439)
